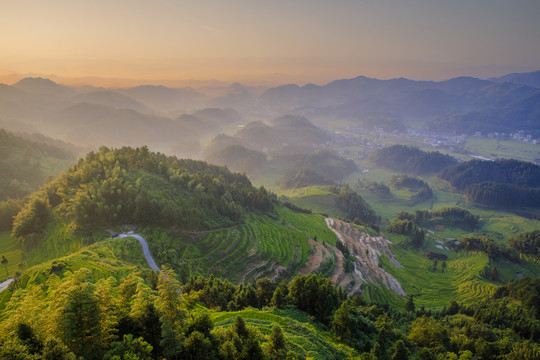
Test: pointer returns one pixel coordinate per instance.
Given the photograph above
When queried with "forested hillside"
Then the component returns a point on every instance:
(411, 160)
(98, 304)
(130, 185)
(500, 183)
(26, 164)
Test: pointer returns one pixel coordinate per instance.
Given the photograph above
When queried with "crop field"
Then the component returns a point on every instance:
(304, 337)
(260, 247)
(507, 149)
(459, 281)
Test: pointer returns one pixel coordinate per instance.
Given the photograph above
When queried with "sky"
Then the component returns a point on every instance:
(267, 40)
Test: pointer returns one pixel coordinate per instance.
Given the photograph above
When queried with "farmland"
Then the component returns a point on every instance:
(261, 247)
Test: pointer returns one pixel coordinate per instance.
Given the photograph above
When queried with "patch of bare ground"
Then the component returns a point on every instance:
(320, 253)
(366, 250)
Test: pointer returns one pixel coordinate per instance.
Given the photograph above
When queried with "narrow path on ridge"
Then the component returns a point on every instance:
(5, 284)
(146, 250)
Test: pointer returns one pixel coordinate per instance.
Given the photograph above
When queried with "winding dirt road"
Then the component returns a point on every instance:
(146, 250)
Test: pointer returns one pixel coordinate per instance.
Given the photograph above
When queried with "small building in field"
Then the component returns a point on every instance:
(436, 256)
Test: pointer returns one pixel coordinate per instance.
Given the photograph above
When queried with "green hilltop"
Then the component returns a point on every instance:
(248, 276)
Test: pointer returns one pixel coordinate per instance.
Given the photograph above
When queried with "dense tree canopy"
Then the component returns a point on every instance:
(505, 171)
(411, 160)
(130, 185)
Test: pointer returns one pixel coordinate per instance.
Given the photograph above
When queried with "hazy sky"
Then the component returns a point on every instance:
(256, 40)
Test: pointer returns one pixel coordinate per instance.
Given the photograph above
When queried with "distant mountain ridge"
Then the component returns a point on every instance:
(528, 78)
(392, 104)
(150, 114)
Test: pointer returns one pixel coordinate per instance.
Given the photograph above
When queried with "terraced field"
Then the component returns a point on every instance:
(317, 200)
(304, 337)
(11, 249)
(262, 247)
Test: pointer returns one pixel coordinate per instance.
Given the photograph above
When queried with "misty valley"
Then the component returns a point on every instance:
(359, 219)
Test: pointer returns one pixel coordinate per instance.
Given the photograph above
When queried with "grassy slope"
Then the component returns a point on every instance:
(316, 199)
(113, 257)
(60, 241)
(251, 250)
(303, 336)
(12, 250)
(462, 278)
(120, 257)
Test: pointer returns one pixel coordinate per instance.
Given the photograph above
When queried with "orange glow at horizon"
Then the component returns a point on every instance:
(126, 41)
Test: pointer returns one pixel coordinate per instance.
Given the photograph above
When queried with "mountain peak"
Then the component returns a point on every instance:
(40, 85)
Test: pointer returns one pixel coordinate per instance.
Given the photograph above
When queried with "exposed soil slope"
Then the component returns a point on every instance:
(366, 250)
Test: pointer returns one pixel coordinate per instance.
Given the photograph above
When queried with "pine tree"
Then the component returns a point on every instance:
(399, 351)
(171, 313)
(278, 344)
(5, 262)
(410, 305)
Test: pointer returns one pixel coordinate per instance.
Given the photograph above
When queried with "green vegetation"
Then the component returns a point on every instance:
(336, 201)
(500, 183)
(410, 160)
(304, 177)
(505, 149)
(318, 199)
(419, 189)
(127, 185)
(526, 243)
(323, 167)
(263, 246)
(10, 249)
(449, 216)
(503, 195)
(238, 158)
(133, 312)
(26, 164)
(236, 257)
(499, 171)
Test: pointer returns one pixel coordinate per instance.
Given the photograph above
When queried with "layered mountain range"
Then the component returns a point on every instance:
(165, 117)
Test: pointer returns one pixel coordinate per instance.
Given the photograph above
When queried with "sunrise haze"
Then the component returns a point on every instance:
(266, 41)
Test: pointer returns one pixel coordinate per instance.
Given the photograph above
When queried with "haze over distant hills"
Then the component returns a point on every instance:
(528, 78)
(158, 115)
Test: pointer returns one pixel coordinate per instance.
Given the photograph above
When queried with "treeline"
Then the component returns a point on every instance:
(323, 167)
(503, 195)
(405, 226)
(487, 245)
(356, 208)
(419, 187)
(374, 187)
(8, 210)
(147, 318)
(506, 171)
(295, 208)
(328, 163)
(527, 243)
(453, 216)
(136, 186)
(302, 178)
(411, 160)
(497, 183)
